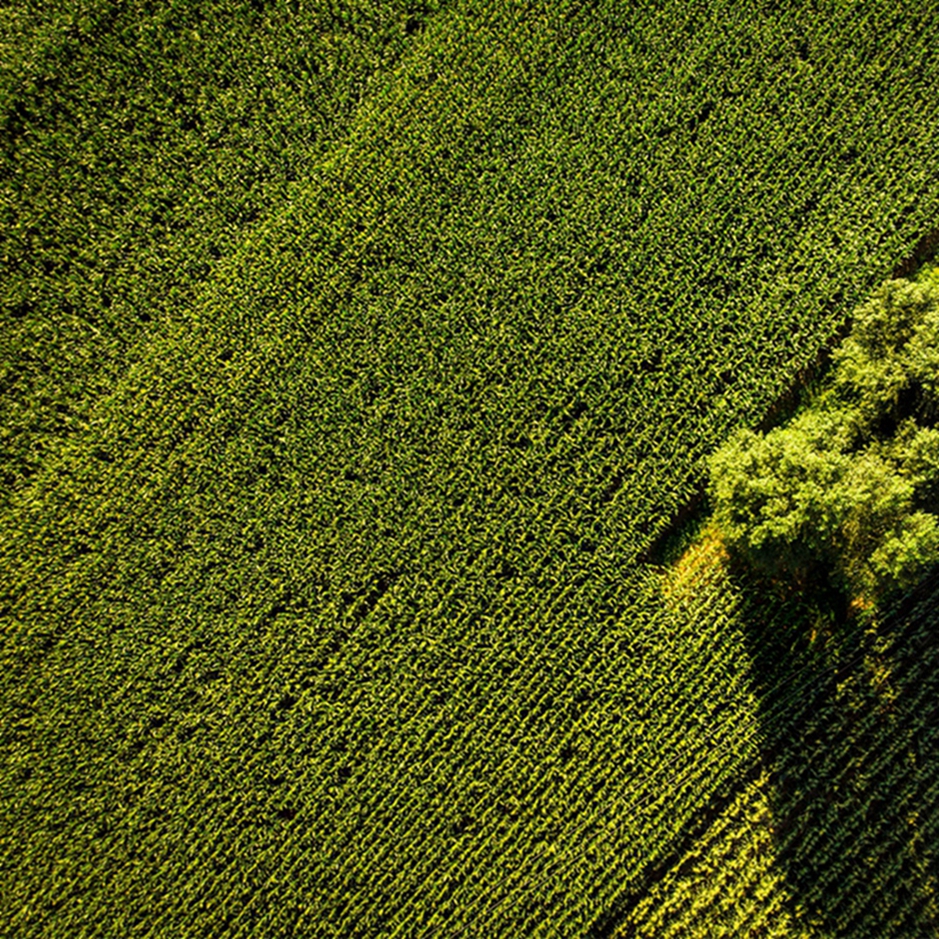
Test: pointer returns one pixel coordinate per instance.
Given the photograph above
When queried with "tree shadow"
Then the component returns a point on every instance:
(849, 712)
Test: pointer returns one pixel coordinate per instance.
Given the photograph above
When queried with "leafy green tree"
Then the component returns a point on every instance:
(847, 492)
(773, 496)
(888, 367)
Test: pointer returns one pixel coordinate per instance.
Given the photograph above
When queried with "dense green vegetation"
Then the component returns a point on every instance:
(328, 614)
(849, 490)
(833, 829)
(140, 144)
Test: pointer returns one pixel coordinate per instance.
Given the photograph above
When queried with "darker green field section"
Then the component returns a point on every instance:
(328, 620)
(139, 143)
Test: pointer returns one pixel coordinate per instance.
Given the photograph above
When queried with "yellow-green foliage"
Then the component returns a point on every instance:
(849, 489)
(727, 884)
(326, 617)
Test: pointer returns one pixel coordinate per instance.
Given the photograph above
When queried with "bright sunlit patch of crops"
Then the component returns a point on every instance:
(701, 564)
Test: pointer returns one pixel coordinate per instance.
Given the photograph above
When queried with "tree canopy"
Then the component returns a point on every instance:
(848, 491)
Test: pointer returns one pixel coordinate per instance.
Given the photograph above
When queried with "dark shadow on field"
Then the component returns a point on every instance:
(850, 724)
